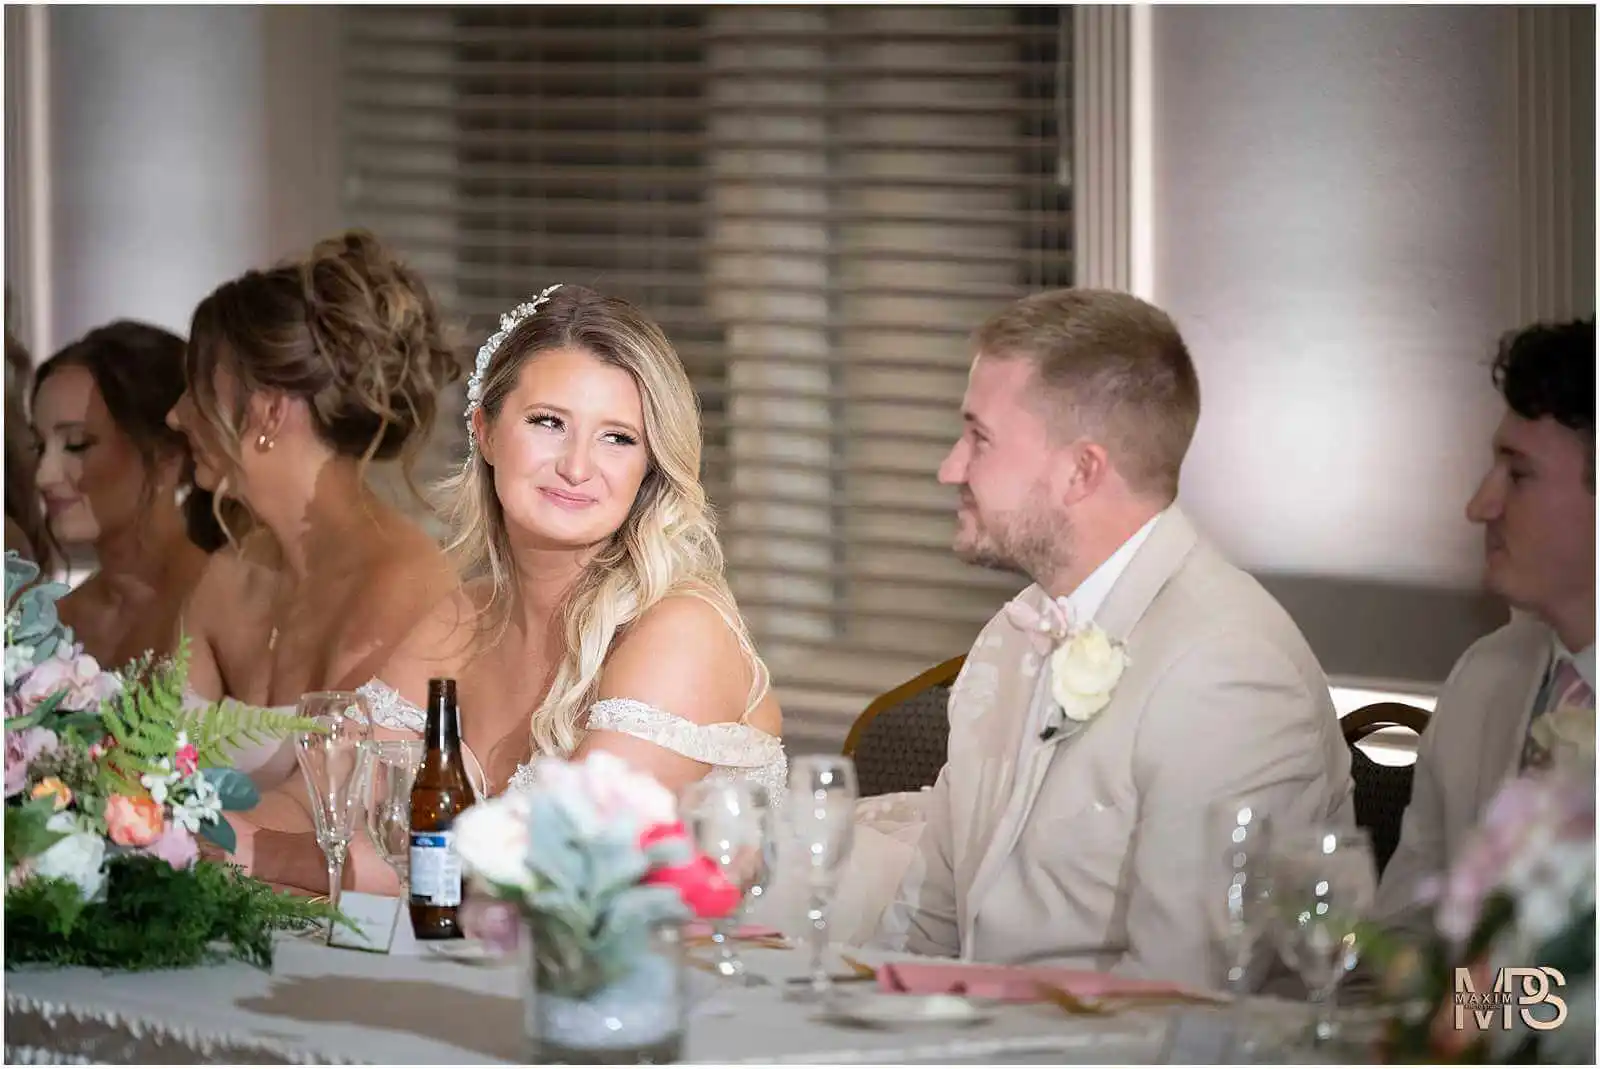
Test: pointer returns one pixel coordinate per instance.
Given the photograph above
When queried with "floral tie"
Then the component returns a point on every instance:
(1567, 691)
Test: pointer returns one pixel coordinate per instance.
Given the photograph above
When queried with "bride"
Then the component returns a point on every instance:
(596, 615)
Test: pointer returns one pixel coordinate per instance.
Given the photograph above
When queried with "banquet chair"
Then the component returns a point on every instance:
(1382, 791)
(898, 742)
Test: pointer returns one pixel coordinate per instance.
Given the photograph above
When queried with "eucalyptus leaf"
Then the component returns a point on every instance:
(26, 834)
(236, 790)
(221, 833)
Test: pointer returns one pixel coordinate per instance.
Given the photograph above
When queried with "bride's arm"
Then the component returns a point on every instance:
(679, 657)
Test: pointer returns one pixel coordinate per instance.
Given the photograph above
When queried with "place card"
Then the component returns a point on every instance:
(383, 924)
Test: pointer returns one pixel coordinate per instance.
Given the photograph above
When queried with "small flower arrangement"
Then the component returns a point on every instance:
(1086, 663)
(109, 784)
(594, 857)
(1521, 896)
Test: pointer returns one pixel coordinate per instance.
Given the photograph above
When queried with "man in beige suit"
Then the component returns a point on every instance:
(1141, 679)
(1536, 505)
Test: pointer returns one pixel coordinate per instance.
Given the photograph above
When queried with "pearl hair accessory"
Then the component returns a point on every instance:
(509, 321)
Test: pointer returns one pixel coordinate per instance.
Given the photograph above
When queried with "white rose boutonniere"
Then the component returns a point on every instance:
(1567, 734)
(1084, 669)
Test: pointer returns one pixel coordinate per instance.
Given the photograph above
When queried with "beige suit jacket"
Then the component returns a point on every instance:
(1109, 863)
(1472, 745)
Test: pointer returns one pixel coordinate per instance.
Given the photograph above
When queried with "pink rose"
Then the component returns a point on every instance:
(701, 884)
(78, 674)
(187, 759)
(133, 821)
(493, 922)
(22, 747)
(174, 846)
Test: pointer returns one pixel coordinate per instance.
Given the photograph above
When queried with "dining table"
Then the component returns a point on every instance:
(444, 1004)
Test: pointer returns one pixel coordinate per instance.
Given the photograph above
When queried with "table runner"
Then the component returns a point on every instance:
(322, 1004)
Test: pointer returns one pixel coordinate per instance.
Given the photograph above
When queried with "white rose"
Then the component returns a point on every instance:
(491, 839)
(1084, 669)
(1567, 734)
(80, 857)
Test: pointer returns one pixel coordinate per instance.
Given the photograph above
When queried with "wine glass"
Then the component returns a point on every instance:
(1242, 832)
(729, 821)
(332, 761)
(1323, 884)
(391, 769)
(820, 814)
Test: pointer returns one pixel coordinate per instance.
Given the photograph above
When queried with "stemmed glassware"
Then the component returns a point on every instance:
(730, 821)
(391, 767)
(1323, 885)
(820, 814)
(1242, 832)
(332, 761)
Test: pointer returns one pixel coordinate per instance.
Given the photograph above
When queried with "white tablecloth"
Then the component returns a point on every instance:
(330, 1005)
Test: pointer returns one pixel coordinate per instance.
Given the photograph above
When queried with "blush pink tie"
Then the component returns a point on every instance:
(1567, 691)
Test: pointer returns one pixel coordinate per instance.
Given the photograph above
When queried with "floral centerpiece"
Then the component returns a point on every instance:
(596, 863)
(1518, 911)
(110, 782)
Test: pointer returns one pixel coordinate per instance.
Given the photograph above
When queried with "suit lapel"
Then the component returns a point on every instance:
(1503, 734)
(1171, 541)
(1002, 728)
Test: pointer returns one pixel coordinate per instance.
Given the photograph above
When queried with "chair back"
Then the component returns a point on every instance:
(899, 741)
(1382, 791)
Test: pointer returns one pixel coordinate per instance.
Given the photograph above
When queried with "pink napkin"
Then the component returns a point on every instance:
(701, 929)
(1016, 983)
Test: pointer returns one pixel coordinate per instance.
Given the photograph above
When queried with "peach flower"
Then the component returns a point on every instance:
(133, 821)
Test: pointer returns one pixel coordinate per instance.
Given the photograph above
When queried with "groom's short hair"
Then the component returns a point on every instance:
(1113, 367)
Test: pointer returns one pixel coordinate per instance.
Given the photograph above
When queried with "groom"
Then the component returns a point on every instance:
(1140, 679)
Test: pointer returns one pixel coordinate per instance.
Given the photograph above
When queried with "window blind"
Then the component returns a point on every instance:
(818, 204)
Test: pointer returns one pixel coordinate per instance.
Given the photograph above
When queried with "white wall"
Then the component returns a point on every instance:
(1333, 213)
(187, 144)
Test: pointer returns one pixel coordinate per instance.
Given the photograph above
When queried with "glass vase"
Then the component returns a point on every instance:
(633, 1017)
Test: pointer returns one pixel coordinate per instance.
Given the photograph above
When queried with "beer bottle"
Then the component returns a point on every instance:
(440, 792)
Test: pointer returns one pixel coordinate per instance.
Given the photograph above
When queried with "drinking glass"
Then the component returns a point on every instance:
(820, 814)
(730, 821)
(332, 760)
(1323, 884)
(391, 768)
(1242, 832)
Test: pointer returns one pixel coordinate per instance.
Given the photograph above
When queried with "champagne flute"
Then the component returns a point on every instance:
(729, 821)
(1242, 832)
(392, 767)
(333, 763)
(820, 814)
(1323, 884)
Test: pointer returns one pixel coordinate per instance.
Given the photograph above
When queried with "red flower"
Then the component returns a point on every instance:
(656, 833)
(187, 759)
(701, 885)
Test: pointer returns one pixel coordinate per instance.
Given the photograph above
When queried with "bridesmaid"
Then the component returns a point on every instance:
(116, 478)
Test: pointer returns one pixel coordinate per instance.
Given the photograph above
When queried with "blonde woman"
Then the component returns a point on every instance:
(595, 615)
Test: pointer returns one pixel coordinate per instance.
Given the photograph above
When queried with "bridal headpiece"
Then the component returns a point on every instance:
(509, 321)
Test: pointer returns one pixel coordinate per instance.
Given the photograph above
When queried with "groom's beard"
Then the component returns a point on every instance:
(1035, 543)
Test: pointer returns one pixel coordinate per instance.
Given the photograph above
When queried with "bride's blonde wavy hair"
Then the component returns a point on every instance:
(667, 544)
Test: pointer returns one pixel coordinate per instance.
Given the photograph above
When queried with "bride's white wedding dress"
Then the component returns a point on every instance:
(736, 750)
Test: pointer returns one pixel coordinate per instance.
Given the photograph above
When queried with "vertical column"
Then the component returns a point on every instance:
(1554, 94)
(158, 160)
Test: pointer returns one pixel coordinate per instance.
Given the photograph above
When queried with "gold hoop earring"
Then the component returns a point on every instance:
(264, 443)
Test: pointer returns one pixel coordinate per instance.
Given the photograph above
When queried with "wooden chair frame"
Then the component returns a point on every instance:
(1370, 718)
(939, 674)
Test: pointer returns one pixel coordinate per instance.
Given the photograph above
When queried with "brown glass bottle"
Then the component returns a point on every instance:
(440, 793)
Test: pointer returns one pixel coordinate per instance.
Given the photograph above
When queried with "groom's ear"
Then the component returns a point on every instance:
(1086, 468)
